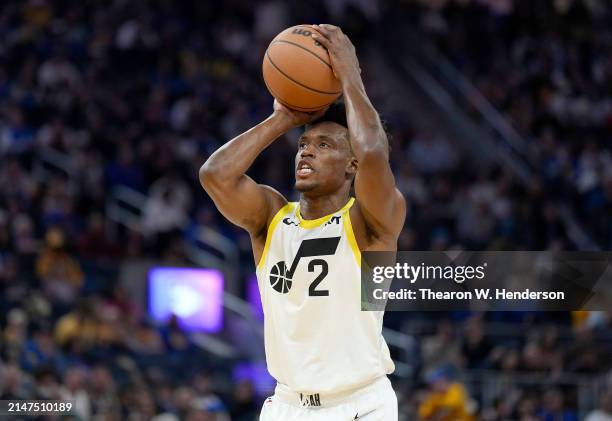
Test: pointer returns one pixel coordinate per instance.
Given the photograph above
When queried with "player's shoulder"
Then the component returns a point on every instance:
(276, 201)
(369, 230)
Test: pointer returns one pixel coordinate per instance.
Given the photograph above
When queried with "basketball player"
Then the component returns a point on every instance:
(328, 357)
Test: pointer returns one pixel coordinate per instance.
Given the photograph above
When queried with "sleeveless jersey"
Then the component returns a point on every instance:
(317, 339)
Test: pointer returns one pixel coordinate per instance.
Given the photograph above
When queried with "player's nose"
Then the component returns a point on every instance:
(307, 151)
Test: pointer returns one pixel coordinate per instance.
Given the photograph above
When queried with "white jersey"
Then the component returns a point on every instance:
(317, 338)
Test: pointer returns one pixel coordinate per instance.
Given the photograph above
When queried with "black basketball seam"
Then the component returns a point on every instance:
(296, 82)
(305, 49)
(304, 109)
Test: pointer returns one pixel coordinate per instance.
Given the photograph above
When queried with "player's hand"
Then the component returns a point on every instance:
(293, 118)
(341, 51)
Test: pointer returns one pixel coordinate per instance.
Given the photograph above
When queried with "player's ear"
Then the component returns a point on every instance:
(351, 167)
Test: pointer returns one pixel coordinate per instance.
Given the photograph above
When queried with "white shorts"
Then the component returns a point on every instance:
(374, 402)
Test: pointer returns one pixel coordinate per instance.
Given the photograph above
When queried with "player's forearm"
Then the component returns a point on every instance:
(232, 160)
(366, 132)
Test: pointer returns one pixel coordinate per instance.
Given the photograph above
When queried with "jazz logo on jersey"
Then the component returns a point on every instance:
(281, 277)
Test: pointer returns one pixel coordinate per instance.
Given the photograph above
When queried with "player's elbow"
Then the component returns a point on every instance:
(209, 175)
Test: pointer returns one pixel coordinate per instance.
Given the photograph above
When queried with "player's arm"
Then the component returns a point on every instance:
(381, 203)
(240, 199)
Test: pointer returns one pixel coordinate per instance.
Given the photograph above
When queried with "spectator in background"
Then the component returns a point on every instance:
(24, 236)
(16, 137)
(40, 351)
(74, 389)
(81, 329)
(175, 338)
(604, 412)
(476, 349)
(14, 335)
(446, 400)
(60, 273)
(244, 405)
(440, 349)
(501, 410)
(102, 390)
(585, 354)
(527, 407)
(184, 400)
(13, 286)
(553, 407)
(12, 383)
(124, 171)
(166, 211)
(48, 385)
(144, 339)
(202, 384)
(94, 243)
(58, 206)
(541, 352)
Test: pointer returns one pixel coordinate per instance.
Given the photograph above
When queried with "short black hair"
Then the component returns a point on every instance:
(336, 113)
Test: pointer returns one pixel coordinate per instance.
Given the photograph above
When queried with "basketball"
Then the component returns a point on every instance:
(297, 71)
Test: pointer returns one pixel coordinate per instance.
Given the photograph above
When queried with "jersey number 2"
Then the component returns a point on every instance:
(281, 276)
(312, 290)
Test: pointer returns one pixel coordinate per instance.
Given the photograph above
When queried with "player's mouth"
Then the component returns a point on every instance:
(304, 169)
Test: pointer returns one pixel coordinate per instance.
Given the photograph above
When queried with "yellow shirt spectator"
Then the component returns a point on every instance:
(446, 403)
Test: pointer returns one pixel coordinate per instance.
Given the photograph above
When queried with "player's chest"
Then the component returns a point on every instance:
(311, 263)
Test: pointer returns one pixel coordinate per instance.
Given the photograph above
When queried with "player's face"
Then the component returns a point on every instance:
(324, 161)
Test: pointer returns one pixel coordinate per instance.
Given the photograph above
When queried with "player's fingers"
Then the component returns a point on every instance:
(321, 39)
(321, 30)
(330, 28)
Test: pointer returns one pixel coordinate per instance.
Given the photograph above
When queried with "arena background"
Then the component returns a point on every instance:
(501, 120)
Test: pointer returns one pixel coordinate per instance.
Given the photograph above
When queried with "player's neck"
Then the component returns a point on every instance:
(319, 206)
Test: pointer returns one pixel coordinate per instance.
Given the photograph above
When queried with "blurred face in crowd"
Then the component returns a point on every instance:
(74, 378)
(183, 398)
(324, 161)
(101, 378)
(244, 391)
(202, 384)
(440, 385)
(553, 400)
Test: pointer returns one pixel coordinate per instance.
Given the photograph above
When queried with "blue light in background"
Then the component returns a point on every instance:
(195, 296)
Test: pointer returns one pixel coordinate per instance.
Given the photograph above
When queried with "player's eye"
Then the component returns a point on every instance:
(302, 145)
(323, 145)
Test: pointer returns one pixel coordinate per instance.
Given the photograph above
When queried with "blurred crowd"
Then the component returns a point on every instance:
(537, 369)
(138, 94)
(547, 67)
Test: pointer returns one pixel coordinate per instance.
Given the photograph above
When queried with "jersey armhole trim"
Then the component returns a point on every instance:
(275, 220)
(350, 235)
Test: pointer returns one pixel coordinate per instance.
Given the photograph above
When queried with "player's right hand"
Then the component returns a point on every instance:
(295, 118)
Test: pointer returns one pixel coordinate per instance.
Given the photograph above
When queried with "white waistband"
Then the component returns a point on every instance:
(319, 400)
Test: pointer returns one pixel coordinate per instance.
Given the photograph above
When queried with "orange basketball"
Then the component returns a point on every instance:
(297, 71)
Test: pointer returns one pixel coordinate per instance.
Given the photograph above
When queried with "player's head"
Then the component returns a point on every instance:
(324, 162)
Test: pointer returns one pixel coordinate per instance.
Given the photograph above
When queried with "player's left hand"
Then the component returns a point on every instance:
(341, 51)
